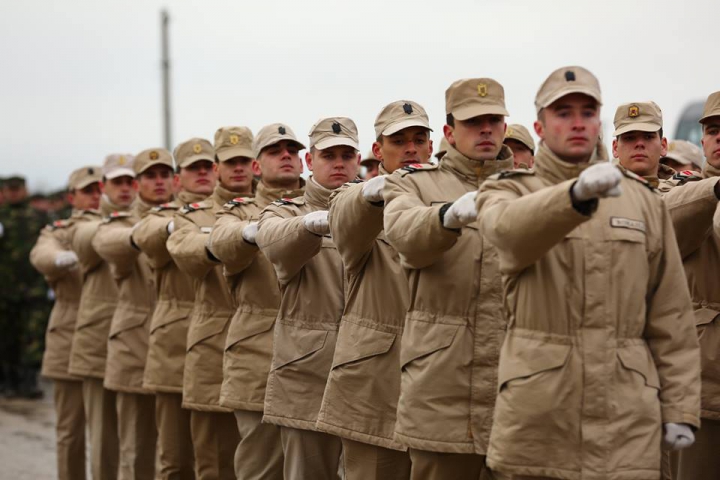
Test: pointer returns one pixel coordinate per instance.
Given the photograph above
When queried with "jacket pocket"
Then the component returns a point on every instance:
(708, 330)
(127, 319)
(703, 317)
(248, 325)
(638, 359)
(357, 342)
(422, 338)
(522, 357)
(167, 313)
(294, 344)
(206, 328)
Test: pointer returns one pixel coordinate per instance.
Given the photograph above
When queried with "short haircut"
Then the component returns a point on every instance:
(450, 120)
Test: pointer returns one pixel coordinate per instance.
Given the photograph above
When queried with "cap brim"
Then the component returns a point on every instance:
(335, 141)
(196, 158)
(677, 159)
(84, 183)
(397, 126)
(235, 152)
(368, 160)
(152, 164)
(476, 110)
(568, 91)
(709, 115)
(637, 127)
(520, 140)
(272, 141)
(120, 172)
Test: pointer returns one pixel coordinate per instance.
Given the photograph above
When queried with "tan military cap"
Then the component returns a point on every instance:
(637, 116)
(272, 134)
(231, 142)
(151, 157)
(564, 81)
(521, 134)
(399, 115)
(332, 131)
(118, 165)
(370, 157)
(84, 176)
(444, 147)
(712, 107)
(193, 150)
(685, 152)
(472, 97)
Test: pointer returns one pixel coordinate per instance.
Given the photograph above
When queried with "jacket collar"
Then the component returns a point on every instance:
(222, 195)
(710, 171)
(265, 195)
(186, 197)
(549, 166)
(476, 170)
(107, 207)
(317, 195)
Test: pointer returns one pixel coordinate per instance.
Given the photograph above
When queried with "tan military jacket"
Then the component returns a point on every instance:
(588, 370)
(256, 298)
(97, 301)
(175, 292)
(310, 274)
(362, 390)
(130, 326)
(454, 325)
(67, 284)
(202, 376)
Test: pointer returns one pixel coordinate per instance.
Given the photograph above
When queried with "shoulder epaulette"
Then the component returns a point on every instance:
(686, 176)
(165, 206)
(115, 216)
(59, 224)
(237, 201)
(355, 181)
(418, 167)
(512, 173)
(193, 207)
(289, 201)
(637, 178)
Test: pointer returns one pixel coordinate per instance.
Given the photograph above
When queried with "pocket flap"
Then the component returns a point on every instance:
(248, 325)
(205, 328)
(703, 316)
(637, 358)
(167, 313)
(423, 338)
(522, 357)
(356, 342)
(127, 319)
(95, 313)
(293, 343)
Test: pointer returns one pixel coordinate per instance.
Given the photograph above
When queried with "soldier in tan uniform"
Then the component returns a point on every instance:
(371, 164)
(361, 394)
(254, 287)
(522, 145)
(175, 291)
(98, 301)
(130, 327)
(444, 146)
(214, 432)
(53, 257)
(295, 237)
(683, 155)
(600, 355)
(454, 325)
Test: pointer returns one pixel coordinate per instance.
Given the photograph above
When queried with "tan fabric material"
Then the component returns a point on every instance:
(637, 117)
(101, 419)
(310, 274)
(398, 116)
(202, 377)
(231, 142)
(256, 298)
(700, 461)
(587, 373)
(363, 386)
(472, 97)
(259, 454)
(215, 438)
(450, 343)
(151, 157)
(362, 461)
(711, 107)
(444, 466)
(69, 429)
(175, 446)
(137, 434)
(272, 134)
(84, 176)
(333, 131)
(564, 81)
(310, 454)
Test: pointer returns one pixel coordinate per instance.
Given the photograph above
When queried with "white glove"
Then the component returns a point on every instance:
(2, 230)
(677, 436)
(372, 190)
(461, 212)
(598, 181)
(66, 259)
(317, 222)
(249, 232)
(170, 227)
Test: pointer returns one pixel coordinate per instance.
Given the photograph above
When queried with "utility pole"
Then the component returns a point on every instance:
(165, 21)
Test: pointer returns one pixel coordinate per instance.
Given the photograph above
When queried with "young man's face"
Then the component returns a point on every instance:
(570, 127)
(155, 184)
(640, 152)
(86, 198)
(333, 166)
(711, 141)
(409, 145)
(120, 190)
(478, 138)
(522, 155)
(280, 163)
(198, 177)
(236, 174)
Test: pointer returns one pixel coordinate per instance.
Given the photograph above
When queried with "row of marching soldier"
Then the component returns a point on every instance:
(506, 313)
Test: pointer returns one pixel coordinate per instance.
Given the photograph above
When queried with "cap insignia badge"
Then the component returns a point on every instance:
(234, 139)
(509, 132)
(569, 76)
(482, 89)
(154, 155)
(197, 148)
(281, 130)
(121, 160)
(407, 108)
(336, 128)
(91, 171)
(671, 147)
(633, 111)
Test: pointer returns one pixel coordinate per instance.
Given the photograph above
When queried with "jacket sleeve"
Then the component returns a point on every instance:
(228, 245)
(691, 208)
(285, 241)
(82, 245)
(150, 236)
(355, 223)
(187, 246)
(42, 255)
(716, 221)
(509, 219)
(670, 333)
(112, 243)
(413, 228)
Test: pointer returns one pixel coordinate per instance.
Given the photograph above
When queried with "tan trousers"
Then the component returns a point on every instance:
(138, 435)
(70, 429)
(310, 454)
(362, 461)
(215, 438)
(448, 466)
(174, 438)
(701, 461)
(101, 418)
(259, 454)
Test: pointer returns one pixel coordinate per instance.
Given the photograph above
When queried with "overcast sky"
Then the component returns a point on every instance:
(82, 79)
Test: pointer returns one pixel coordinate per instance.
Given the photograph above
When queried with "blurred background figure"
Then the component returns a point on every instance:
(369, 166)
(683, 155)
(520, 141)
